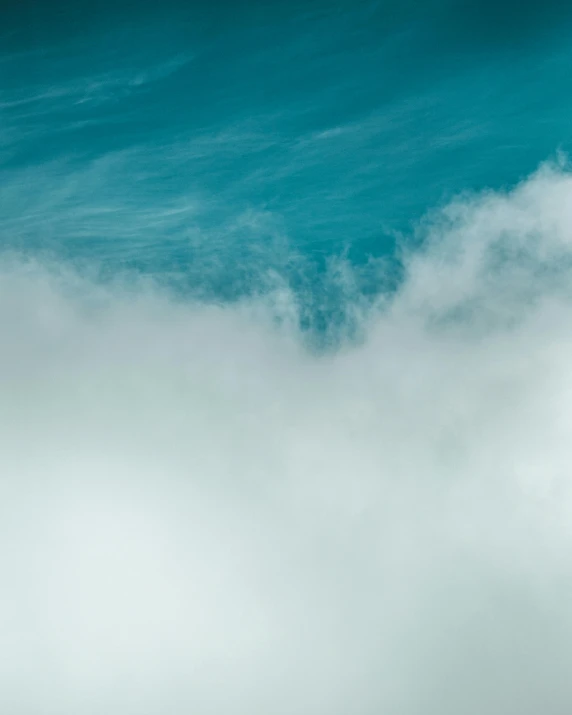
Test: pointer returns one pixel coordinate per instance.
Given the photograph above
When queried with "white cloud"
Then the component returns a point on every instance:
(199, 515)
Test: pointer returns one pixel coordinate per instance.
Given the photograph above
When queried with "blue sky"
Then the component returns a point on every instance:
(330, 125)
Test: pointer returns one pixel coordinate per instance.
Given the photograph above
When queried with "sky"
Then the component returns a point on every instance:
(285, 396)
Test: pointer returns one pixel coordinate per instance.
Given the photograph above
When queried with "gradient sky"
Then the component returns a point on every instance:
(330, 125)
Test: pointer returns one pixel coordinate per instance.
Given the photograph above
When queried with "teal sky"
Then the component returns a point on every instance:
(213, 142)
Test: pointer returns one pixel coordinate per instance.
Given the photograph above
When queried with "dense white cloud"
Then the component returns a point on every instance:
(197, 514)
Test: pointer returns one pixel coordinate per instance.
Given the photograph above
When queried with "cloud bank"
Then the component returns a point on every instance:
(198, 514)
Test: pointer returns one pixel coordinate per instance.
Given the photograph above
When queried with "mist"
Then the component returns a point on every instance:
(201, 514)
